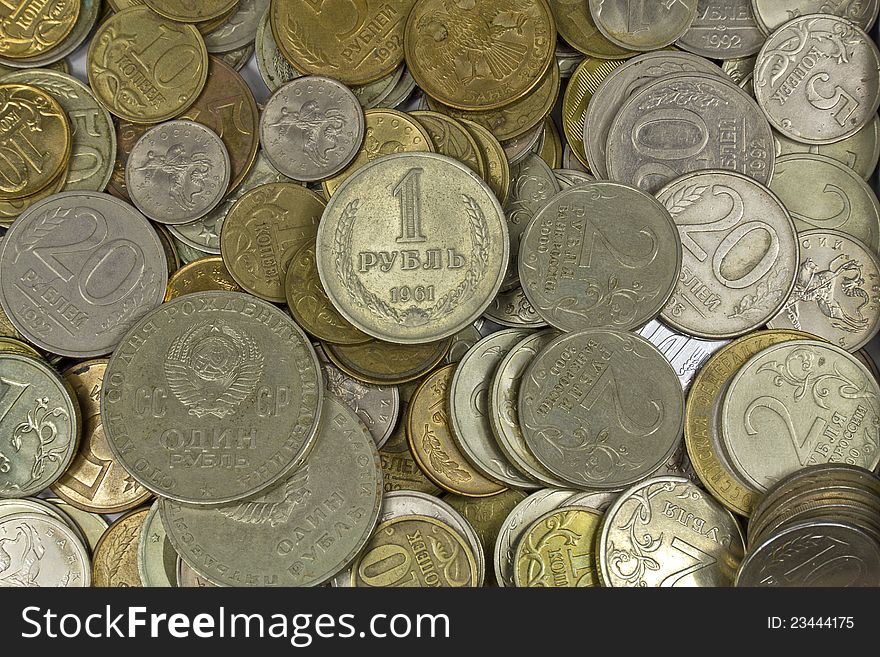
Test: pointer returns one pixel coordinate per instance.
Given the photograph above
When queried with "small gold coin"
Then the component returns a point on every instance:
(551, 149)
(144, 68)
(29, 29)
(116, 556)
(452, 139)
(497, 167)
(191, 12)
(384, 363)
(10, 209)
(263, 230)
(7, 330)
(18, 347)
(399, 468)
(202, 275)
(558, 550)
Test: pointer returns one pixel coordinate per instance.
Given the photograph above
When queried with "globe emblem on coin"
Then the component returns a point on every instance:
(212, 368)
(275, 507)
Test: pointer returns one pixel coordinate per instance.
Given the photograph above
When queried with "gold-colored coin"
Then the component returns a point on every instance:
(18, 347)
(115, 559)
(29, 29)
(127, 135)
(431, 442)
(386, 131)
(576, 25)
(482, 54)
(7, 330)
(144, 68)
(191, 12)
(35, 140)
(354, 47)
(451, 138)
(400, 471)
(559, 550)
(172, 257)
(551, 149)
(702, 417)
(384, 363)
(10, 209)
(204, 27)
(202, 275)
(580, 90)
(263, 230)
(494, 158)
(417, 551)
(309, 304)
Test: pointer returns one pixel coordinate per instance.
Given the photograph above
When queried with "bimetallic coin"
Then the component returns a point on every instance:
(576, 25)
(92, 525)
(41, 424)
(385, 363)
(42, 551)
(643, 25)
(601, 409)
(239, 29)
(771, 14)
(797, 404)
(686, 354)
(34, 29)
(723, 30)
(156, 558)
(600, 255)
(740, 257)
(837, 292)
(299, 533)
(558, 550)
(457, 251)
(187, 578)
(115, 562)
(513, 309)
(399, 468)
(816, 79)
(274, 68)
(202, 275)
(240, 366)
(666, 532)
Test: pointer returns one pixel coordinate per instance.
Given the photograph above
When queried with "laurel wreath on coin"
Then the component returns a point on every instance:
(413, 316)
(306, 49)
(679, 201)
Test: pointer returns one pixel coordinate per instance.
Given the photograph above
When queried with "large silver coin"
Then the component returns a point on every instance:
(723, 29)
(643, 25)
(77, 270)
(41, 551)
(686, 354)
(771, 14)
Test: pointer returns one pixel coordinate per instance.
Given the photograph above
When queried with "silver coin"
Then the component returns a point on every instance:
(685, 353)
(77, 270)
(599, 500)
(88, 17)
(566, 178)
(187, 578)
(41, 551)
(687, 122)
(518, 148)
(177, 172)
(157, 560)
(816, 79)
(723, 29)
(679, 465)
(462, 342)
(237, 58)
(643, 25)
(11, 507)
(514, 310)
(240, 28)
(740, 68)
(401, 91)
(620, 85)
(273, 66)
(311, 128)
(771, 14)
(570, 160)
(187, 252)
(371, 95)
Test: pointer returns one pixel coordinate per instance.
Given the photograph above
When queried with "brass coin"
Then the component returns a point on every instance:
(497, 167)
(19, 347)
(551, 149)
(384, 363)
(12, 208)
(145, 68)
(452, 139)
(399, 467)
(7, 329)
(263, 230)
(430, 439)
(30, 29)
(576, 25)
(202, 275)
(191, 12)
(127, 135)
(115, 562)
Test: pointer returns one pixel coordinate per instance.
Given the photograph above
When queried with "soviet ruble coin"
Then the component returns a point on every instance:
(643, 25)
(558, 550)
(772, 14)
(42, 551)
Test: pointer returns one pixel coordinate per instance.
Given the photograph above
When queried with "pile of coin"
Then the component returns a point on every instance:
(480, 292)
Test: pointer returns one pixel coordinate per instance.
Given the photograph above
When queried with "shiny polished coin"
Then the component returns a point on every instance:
(430, 438)
(42, 551)
(386, 363)
(469, 408)
(643, 26)
(156, 558)
(93, 150)
(601, 255)
(772, 14)
(566, 178)
(187, 578)
(835, 296)
(666, 532)
(240, 29)
(836, 198)
(322, 41)
(739, 248)
(450, 138)
(497, 167)
(723, 30)
(685, 353)
(309, 304)
(798, 404)
(514, 310)
(115, 561)
(400, 470)
(457, 255)
(687, 122)
(576, 25)
(127, 135)
(240, 366)
(274, 68)
(859, 152)
(619, 86)
(516, 40)
(144, 68)
(558, 550)
(800, 89)
(191, 12)
(34, 29)
(601, 409)
(41, 423)
(263, 230)
(92, 525)
(95, 481)
(302, 531)
(312, 128)
(202, 275)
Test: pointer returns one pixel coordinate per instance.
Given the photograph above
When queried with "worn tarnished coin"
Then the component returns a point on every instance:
(42, 551)
(177, 172)
(601, 409)
(430, 438)
(202, 275)
(740, 257)
(187, 578)
(302, 531)
(241, 367)
(685, 353)
(835, 198)
(79, 302)
(240, 29)
(452, 139)
(401, 91)
(191, 12)
(518, 148)
(497, 166)
(619, 85)
(772, 14)
(115, 561)
(837, 292)
(312, 128)
(92, 525)
(95, 481)
(463, 341)
(412, 248)
(666, 532)
(156, 559)
(600, 255)
(399, 468)
(797, 404)
(566, 178)
(643, 25)
(274, 68)
(558, 550)
(687, 122)
(576, 25)
(127, 135)
(34, 29)
(513, 309)
(469, 408)
(816, 79)
(237, 59)
(40, 422)
(263, 230)
(824, 553)
(386, 363)
(144, 68)
(19, 347)
(723, 30)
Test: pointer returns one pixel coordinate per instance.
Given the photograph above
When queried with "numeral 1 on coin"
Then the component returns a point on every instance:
(407, 192)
